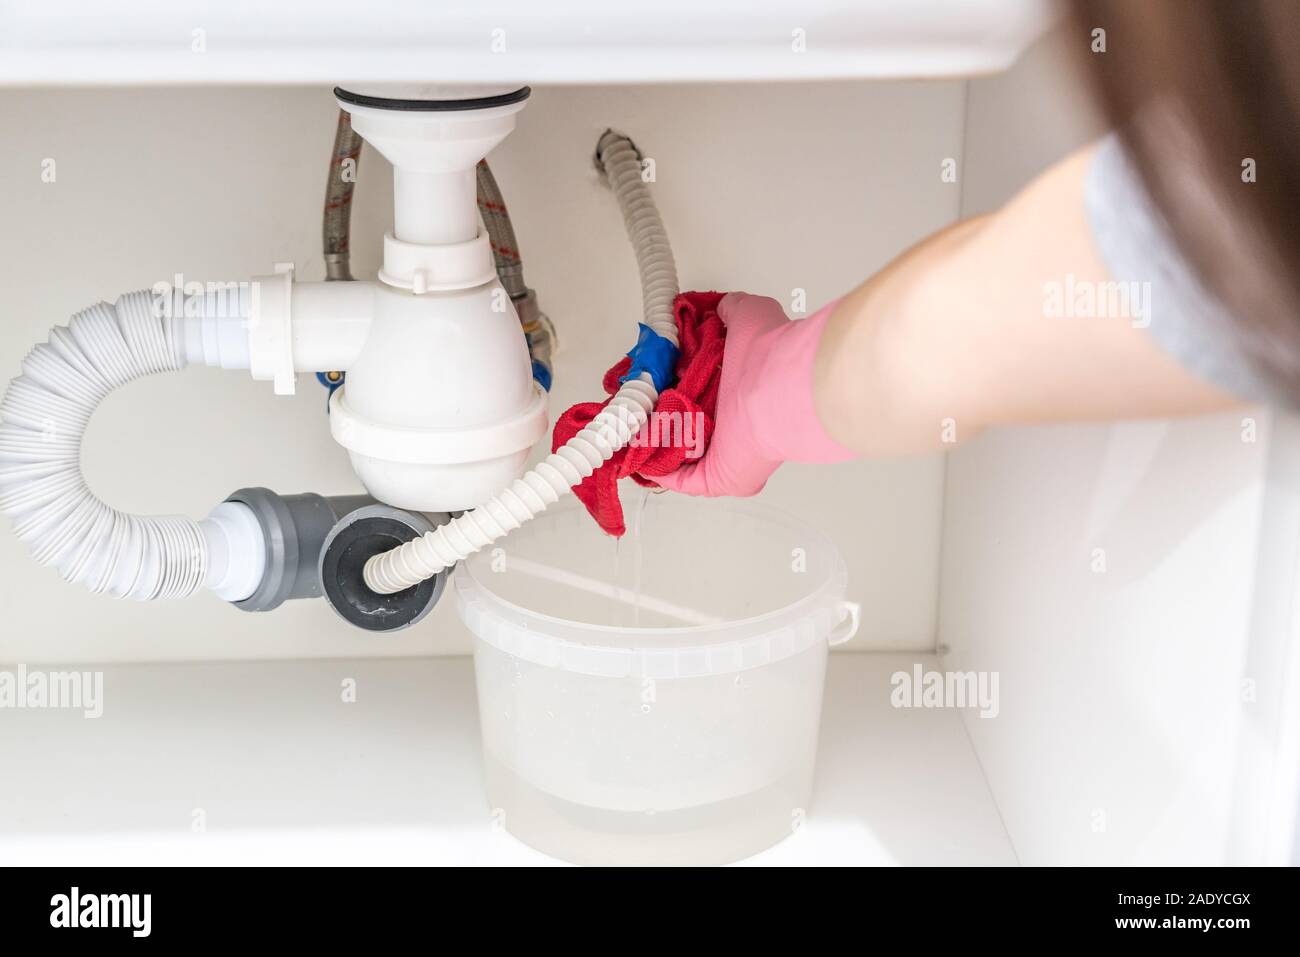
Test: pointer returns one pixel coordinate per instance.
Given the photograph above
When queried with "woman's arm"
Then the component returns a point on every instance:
(986, 323)
(966, 330)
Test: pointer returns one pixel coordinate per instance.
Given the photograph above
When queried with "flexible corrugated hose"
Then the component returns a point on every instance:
(45, 412)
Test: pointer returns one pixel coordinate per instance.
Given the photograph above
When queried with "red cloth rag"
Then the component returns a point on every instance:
(681, 424)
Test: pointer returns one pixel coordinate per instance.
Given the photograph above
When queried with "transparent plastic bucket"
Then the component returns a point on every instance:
(654, 699)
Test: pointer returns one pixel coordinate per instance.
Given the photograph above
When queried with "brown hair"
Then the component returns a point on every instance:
(1206, 96)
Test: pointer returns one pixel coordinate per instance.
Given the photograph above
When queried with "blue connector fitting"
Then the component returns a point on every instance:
(542, 373)
(653, 354)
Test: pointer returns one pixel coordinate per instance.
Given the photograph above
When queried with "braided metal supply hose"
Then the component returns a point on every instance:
(538, 330)
(338, 199)
(611, 430)
(501, 232)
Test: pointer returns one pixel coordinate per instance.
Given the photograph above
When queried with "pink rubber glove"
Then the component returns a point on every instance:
(765, 413)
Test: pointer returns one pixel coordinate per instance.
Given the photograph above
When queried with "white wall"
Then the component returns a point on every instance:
(764, 187)
(1124, 733)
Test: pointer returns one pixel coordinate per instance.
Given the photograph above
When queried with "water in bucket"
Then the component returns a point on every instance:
(655, 699)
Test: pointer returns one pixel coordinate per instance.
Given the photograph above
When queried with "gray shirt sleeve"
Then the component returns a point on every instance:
(1180, 314)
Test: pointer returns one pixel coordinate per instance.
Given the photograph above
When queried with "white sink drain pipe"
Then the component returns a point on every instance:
(275, 328)
(611, 430)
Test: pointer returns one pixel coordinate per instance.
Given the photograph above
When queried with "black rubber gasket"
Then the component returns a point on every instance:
(433, 106)
(343, 580)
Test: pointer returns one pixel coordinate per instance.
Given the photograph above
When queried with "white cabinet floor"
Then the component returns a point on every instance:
(263, 763)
